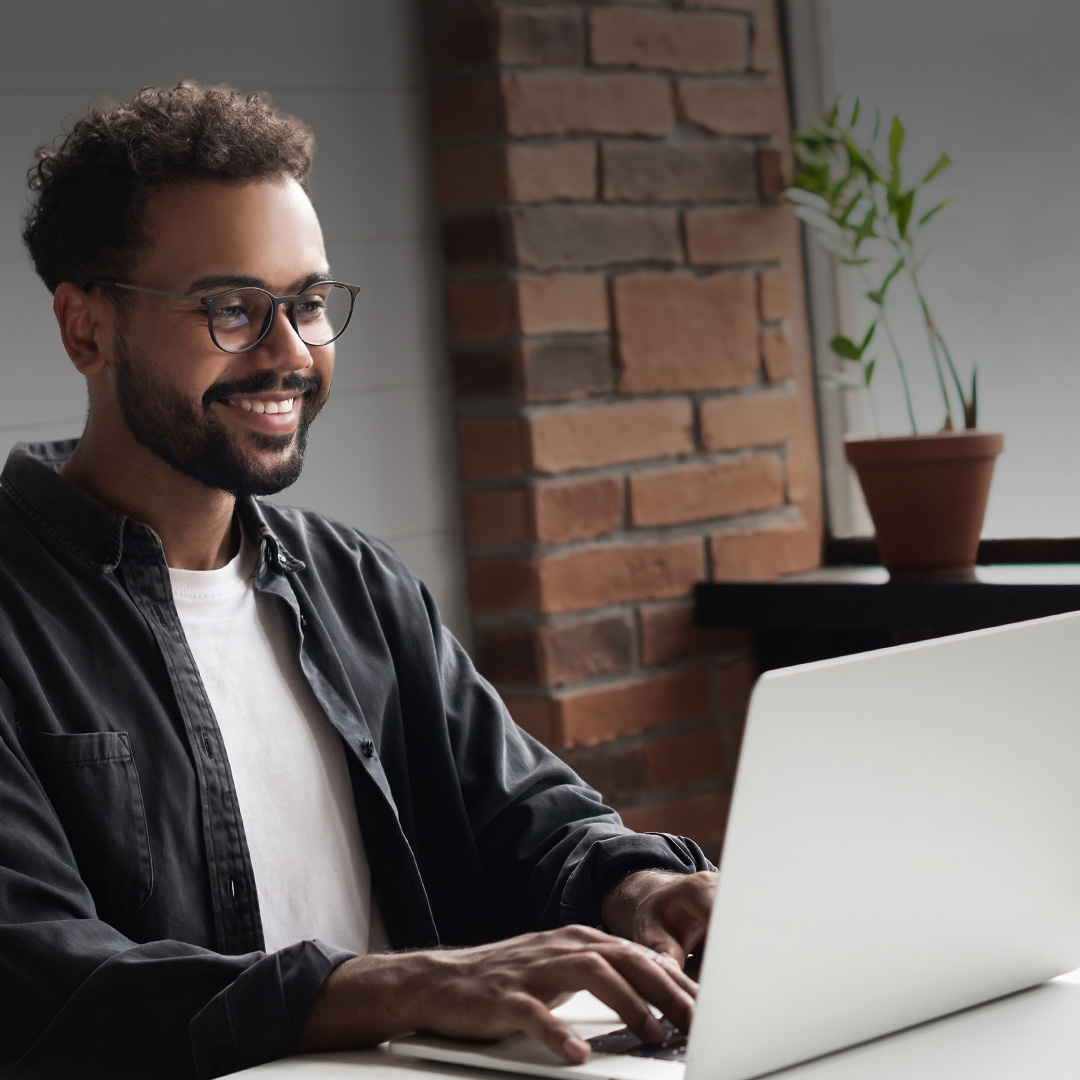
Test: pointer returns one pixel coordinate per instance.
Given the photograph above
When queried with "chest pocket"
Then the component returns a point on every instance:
(94, 787)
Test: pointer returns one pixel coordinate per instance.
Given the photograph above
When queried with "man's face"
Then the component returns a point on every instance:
(201, 410)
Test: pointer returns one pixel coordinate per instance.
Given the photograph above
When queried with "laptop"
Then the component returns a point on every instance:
(903, 842)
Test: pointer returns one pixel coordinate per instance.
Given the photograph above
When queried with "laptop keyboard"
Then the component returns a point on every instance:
(624, 1041)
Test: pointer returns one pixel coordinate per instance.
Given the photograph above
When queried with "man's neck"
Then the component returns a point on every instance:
(194, 522)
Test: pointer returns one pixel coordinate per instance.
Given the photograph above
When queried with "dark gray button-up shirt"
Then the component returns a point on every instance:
(130, 940)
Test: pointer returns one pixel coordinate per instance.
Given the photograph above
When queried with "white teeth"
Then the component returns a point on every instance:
(266, 406)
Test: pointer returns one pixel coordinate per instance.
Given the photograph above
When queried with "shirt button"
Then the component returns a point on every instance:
(367, 747)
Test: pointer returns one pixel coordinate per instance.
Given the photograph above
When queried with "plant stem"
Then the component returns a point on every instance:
(935, 334)
(899, 362)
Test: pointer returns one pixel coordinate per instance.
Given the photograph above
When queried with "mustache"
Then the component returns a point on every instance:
(260, 383)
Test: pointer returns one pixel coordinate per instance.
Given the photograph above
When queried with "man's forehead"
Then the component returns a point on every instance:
(264, 229)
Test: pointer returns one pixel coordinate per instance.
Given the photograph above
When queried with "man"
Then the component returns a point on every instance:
(242, 765)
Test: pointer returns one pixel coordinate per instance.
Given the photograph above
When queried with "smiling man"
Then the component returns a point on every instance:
(254, 798)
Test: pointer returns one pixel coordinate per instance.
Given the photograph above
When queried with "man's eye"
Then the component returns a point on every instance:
(230, 315)
(311, 307)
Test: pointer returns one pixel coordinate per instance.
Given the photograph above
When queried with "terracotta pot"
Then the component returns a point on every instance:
(927, 496)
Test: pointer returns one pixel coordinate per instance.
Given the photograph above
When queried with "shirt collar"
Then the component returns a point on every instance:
(97, 533)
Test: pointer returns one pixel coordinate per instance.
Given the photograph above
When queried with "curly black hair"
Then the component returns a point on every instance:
(90, 188)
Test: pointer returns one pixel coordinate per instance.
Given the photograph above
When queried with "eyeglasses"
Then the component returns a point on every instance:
(241, 318)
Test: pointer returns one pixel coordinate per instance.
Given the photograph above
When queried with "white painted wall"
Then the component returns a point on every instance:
(381, 455)
(996, 84)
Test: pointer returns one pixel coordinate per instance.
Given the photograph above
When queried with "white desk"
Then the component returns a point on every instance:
(1034, 1035)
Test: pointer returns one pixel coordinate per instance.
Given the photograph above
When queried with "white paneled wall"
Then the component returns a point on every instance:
(381, 455)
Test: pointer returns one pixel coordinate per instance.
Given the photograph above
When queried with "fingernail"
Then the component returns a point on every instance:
(574, 1049)
(655, 1030)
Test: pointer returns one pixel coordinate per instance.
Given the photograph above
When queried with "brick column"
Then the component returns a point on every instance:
(630, 364)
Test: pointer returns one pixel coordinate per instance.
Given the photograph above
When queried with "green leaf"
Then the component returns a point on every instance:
(904, 205)
(866, 339)
(889, 277)
(943, 162)
(866, 228)
(876, 297)
(930, 213)
(834, 245)
(854, 114)
(896, 140)
(834, 113)
(812, 199)
(868, 372)
(971, 408)
(845, 347)
(822, 223)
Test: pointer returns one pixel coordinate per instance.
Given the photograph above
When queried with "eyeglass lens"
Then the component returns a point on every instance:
(240, 318)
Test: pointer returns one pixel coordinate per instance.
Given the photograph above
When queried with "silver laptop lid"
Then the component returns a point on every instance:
(904, 841)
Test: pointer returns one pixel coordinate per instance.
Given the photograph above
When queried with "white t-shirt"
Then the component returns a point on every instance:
(287, 761)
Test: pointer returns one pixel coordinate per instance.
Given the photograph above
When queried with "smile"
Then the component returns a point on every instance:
(256, 406)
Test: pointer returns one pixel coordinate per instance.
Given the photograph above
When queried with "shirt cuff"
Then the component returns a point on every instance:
(610, 860)
(257, 1016)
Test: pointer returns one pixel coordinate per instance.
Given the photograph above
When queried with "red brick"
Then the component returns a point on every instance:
(615, 574)
(595, 716)
(703, 169)
(503, 584)
(576, 237)
(497, 517)
(702, 818)
(586, 649)
(480, 310)
(487, 373)
(774, 172)
(697, 492)
(797, 475)
(765, 53)
(619, 773)
(741, 235)
(750, 7)
(736, 684)
(477, 242)
(560, 303)
(763, 419)
(565, 369)
(557, 653)
(535, 716)
(606, 104)
(490, 449)
(537, 172)
(776, 353)
(679, 332)
(466, 38)
(760, 554)
(775, 295)
(671, 41)
(669, 635)
(509, 655)
(467, 108)
(535, 36)
(731, 108)
(598, 435)
(578, 510)
(475, 173)
(688, 759)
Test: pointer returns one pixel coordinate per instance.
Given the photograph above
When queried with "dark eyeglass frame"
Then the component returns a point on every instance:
(210, 302)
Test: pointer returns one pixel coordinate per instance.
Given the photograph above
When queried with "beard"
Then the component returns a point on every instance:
(193, 440)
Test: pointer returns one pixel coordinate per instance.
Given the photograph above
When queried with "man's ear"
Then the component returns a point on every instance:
(82, 318)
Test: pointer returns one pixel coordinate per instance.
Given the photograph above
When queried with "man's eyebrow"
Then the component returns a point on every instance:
(217, 282)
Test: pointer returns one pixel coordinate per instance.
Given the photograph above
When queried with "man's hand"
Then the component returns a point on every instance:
(491, 991)
(664, 911)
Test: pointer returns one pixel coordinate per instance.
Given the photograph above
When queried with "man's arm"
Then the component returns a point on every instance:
(494, 990)
(81, 999)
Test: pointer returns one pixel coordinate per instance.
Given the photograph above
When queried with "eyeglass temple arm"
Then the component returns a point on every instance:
(140, 288)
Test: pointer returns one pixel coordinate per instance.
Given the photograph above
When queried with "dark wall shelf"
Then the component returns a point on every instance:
(843, 609)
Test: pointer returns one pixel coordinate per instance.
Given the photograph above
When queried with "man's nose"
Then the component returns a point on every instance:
(282, 347)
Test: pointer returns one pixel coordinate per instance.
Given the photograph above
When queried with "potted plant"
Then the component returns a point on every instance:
(926, 492)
